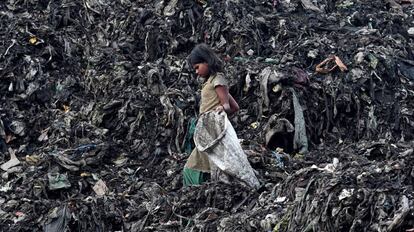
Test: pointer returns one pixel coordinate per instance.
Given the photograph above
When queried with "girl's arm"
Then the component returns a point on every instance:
(233, 104)
(228, 103)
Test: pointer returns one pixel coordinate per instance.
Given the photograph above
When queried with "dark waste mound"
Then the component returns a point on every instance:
(98, 108)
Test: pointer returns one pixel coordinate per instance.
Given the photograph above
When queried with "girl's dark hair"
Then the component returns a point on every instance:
(202, 53)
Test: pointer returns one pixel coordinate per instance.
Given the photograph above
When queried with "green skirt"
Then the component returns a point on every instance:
(194, 177)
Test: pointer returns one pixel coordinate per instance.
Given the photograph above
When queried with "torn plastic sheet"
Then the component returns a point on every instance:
(307, 4)
(58, 181)
(68, 163)
(264, 78)
(58, 219)
(18, 128)
(84, 148)
(300, 140)
(407, 69)
(12, 162)
(2, 132)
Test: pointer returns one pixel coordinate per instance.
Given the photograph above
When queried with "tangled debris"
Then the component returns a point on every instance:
(98, 107)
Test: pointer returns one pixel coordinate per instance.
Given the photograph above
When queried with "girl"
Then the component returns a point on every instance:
(214, 96)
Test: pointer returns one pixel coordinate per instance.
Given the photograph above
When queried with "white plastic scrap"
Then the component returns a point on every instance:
(280, 199)
(100, 188)
(7, 187)
(345, 193)
(329, 167)
(411, 31)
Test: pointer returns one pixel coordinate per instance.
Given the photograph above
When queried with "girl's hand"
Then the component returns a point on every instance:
(219, 109)
(227, 102)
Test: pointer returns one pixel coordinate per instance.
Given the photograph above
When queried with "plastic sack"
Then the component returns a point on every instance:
(215, 136)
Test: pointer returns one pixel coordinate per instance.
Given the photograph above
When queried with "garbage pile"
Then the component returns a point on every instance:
(98, 108)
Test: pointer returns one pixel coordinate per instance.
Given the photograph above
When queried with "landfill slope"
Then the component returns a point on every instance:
(98, 107)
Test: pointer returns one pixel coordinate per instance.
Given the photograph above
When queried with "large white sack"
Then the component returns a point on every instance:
(215, 136)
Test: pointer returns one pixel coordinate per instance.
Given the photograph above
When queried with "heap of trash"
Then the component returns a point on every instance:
(99, 105)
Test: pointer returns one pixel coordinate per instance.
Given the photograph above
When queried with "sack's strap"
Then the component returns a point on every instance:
(219, 137)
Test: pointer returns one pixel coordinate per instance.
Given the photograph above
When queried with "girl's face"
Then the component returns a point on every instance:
(201, 69)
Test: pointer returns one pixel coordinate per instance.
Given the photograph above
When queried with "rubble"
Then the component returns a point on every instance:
(98, 108)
